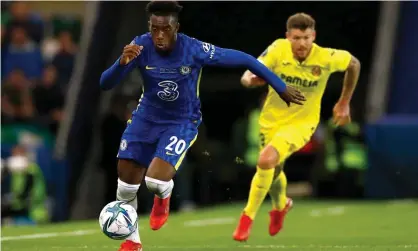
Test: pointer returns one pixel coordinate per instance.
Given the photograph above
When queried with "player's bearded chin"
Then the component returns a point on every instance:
(300, 52)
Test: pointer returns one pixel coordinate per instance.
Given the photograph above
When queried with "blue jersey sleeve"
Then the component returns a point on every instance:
(114, 75)
(209, 55)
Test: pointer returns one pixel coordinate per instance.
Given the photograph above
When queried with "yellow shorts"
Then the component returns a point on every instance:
(286, 139)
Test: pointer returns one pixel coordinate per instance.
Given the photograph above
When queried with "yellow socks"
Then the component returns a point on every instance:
(278, 192)
(260, 186)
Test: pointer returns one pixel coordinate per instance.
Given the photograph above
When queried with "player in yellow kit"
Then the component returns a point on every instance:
(301, 63)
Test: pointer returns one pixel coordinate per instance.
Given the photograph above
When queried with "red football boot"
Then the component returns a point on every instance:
(130, 246)
(242, 232)
(277, 218)
(159, 213)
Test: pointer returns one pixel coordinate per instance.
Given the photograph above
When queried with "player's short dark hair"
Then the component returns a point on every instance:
(163, 8)
(301, 21)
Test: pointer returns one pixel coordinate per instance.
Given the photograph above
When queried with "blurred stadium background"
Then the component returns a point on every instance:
(53, 112)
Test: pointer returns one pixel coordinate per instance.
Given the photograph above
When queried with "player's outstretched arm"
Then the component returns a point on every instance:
(267, 58)
(235, 58)
(250, 80)
(238, 58)
(123, 65)
(207, 54)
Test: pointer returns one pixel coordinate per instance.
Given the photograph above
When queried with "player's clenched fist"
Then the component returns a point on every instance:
(130, 52)
(292, 95)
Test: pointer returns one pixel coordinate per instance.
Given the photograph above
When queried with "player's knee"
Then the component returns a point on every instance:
(130, 172)
(269, 158)
(126, 191)
(160, 170)
(160, 188)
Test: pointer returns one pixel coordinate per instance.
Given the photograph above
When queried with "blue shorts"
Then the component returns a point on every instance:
(143, 140)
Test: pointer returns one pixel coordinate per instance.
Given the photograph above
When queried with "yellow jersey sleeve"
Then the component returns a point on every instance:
(339, 60)
(270, 55)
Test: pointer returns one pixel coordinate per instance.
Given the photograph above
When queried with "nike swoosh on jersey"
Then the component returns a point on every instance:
(171, 154)
(150, 68)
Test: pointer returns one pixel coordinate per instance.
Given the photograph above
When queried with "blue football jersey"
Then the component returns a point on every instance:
(165, 123)
(171, 82)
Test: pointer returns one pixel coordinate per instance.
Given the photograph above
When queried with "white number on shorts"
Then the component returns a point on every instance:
(179, 145)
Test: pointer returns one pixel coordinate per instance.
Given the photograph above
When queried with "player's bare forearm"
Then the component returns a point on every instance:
(350, 80)
(246, 79)
(250, 80)
(234, 58)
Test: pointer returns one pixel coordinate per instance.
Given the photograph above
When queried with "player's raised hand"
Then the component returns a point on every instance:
(292, 95)
(130, 52)
(251, 80)
(257, 81)
(341, 114)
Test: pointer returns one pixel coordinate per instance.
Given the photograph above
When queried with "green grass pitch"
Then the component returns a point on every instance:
(311, 225)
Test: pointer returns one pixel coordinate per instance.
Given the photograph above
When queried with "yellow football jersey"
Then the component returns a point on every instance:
(309, 76)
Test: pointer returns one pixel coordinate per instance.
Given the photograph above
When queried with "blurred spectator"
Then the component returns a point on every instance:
(26, 201)
(64, 59)
(49, 99)
(67, 22)
(22, 53)
(16, 100)
(21, 15)
(49, 48)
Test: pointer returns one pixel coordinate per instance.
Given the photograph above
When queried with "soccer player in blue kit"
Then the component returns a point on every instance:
(165, 123)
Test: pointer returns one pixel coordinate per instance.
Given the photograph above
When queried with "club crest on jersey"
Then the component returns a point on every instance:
(123, 145)
(316, 71)
(185, 70)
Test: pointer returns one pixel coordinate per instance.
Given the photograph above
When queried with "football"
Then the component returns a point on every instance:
(118, 220)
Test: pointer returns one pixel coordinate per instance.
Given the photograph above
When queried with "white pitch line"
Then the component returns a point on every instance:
(321, 247)
(228, 247)
(208, 222)
(337, 210)
(316, 213)
(48, 235)
(193, 223)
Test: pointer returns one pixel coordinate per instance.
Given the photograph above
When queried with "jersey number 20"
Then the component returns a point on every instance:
(169, 92)
(179, 145)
